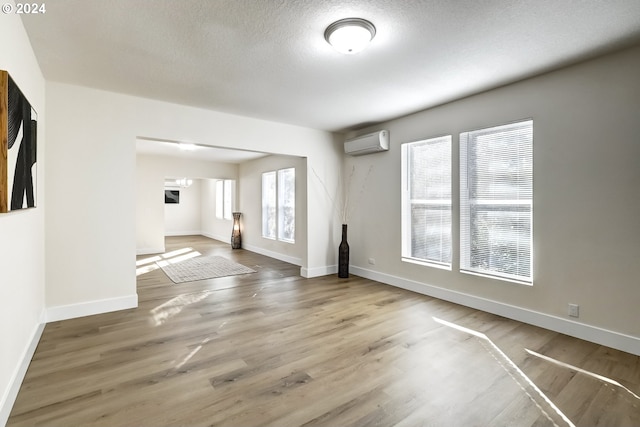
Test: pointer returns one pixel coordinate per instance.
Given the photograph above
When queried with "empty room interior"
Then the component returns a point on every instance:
(333, 213)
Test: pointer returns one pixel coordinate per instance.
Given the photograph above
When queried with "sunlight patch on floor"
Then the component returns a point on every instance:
(147, 265)
(582, 371)
(176, 252)
(514, 371)
(193, 353)
(146, 269)
(162, 313)
(148, 260)
(178, 259)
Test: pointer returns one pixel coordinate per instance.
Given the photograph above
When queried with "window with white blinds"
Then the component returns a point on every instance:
(426, 201)
(279, 205)
(496, 201)
(228, 194)
(269, 205)
(224, 198)
(220, 199)
(287, 205)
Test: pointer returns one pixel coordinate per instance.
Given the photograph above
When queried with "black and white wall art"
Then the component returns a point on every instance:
(171, 196)
(18, 146)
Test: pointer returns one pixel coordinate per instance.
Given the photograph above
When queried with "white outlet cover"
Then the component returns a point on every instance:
(574, 310)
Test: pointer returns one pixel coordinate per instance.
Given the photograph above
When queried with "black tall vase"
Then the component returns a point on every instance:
(343, 255)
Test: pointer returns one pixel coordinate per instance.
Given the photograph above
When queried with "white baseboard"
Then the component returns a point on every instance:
(318, 271)
(89, 308)
(271, 254)
(9, 397)
(304, 272)
(182, 233)
(221, 238)
(149, 251)
(612, 339)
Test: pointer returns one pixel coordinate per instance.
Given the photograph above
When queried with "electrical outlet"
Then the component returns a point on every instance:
(574, 310)
(372, 261)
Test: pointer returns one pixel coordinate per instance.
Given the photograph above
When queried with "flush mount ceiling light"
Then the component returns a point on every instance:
(350, 35)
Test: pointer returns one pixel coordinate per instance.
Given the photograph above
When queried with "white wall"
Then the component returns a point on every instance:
(22, 233)
(184, 218)
(250, 198)
(91, 239)
(586, 200)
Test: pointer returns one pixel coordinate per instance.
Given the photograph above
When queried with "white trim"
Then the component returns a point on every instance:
(9, 397)
(601, 336)
(503, 276)
(149, 251)
(259, 250)
(426, 263)
(318, 271)
(89, 308)
(271, 254)
(219, 237)
(182, 233)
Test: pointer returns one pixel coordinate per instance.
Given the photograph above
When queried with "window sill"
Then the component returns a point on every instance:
(427, 263)
(291, 242)
(501, 278)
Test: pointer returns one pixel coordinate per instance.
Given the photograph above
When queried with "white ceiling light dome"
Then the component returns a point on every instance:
(350, 35)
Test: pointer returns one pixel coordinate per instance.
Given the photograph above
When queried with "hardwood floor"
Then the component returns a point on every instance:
(274, 349)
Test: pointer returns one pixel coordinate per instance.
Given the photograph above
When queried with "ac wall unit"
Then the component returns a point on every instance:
(366, 144)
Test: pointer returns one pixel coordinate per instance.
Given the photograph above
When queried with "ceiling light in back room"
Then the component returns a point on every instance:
(185, 146)
(350, 35)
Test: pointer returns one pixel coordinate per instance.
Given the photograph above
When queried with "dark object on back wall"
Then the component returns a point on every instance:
(172, 196)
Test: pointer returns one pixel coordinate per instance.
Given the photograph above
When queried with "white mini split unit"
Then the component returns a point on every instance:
(367, 144)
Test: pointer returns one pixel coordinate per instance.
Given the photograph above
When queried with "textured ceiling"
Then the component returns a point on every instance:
(268, 58)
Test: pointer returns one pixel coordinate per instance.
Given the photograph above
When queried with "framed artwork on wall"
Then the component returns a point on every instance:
(18, 147)
(171, 196)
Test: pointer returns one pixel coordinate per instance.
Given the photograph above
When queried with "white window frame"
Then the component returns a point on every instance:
(286, 203)
(269, 205)
(274, 205)
(224, 198)
(228, 199)
(441, 203)
(522, 204)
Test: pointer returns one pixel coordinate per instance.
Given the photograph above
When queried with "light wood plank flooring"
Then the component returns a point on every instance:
(274, 349)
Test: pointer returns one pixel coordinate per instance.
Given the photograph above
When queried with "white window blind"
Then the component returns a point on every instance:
(496, 201)
(219, 199)
(426, 204)
(228, 197)
(279, 204)
(269, 205)
(286, 204)
(224, 198)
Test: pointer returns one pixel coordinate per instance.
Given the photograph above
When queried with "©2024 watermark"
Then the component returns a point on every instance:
(24, 8)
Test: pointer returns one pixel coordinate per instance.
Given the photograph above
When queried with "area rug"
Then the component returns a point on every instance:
(203, 267)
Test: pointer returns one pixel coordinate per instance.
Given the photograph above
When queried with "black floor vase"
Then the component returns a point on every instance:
(343, 255)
